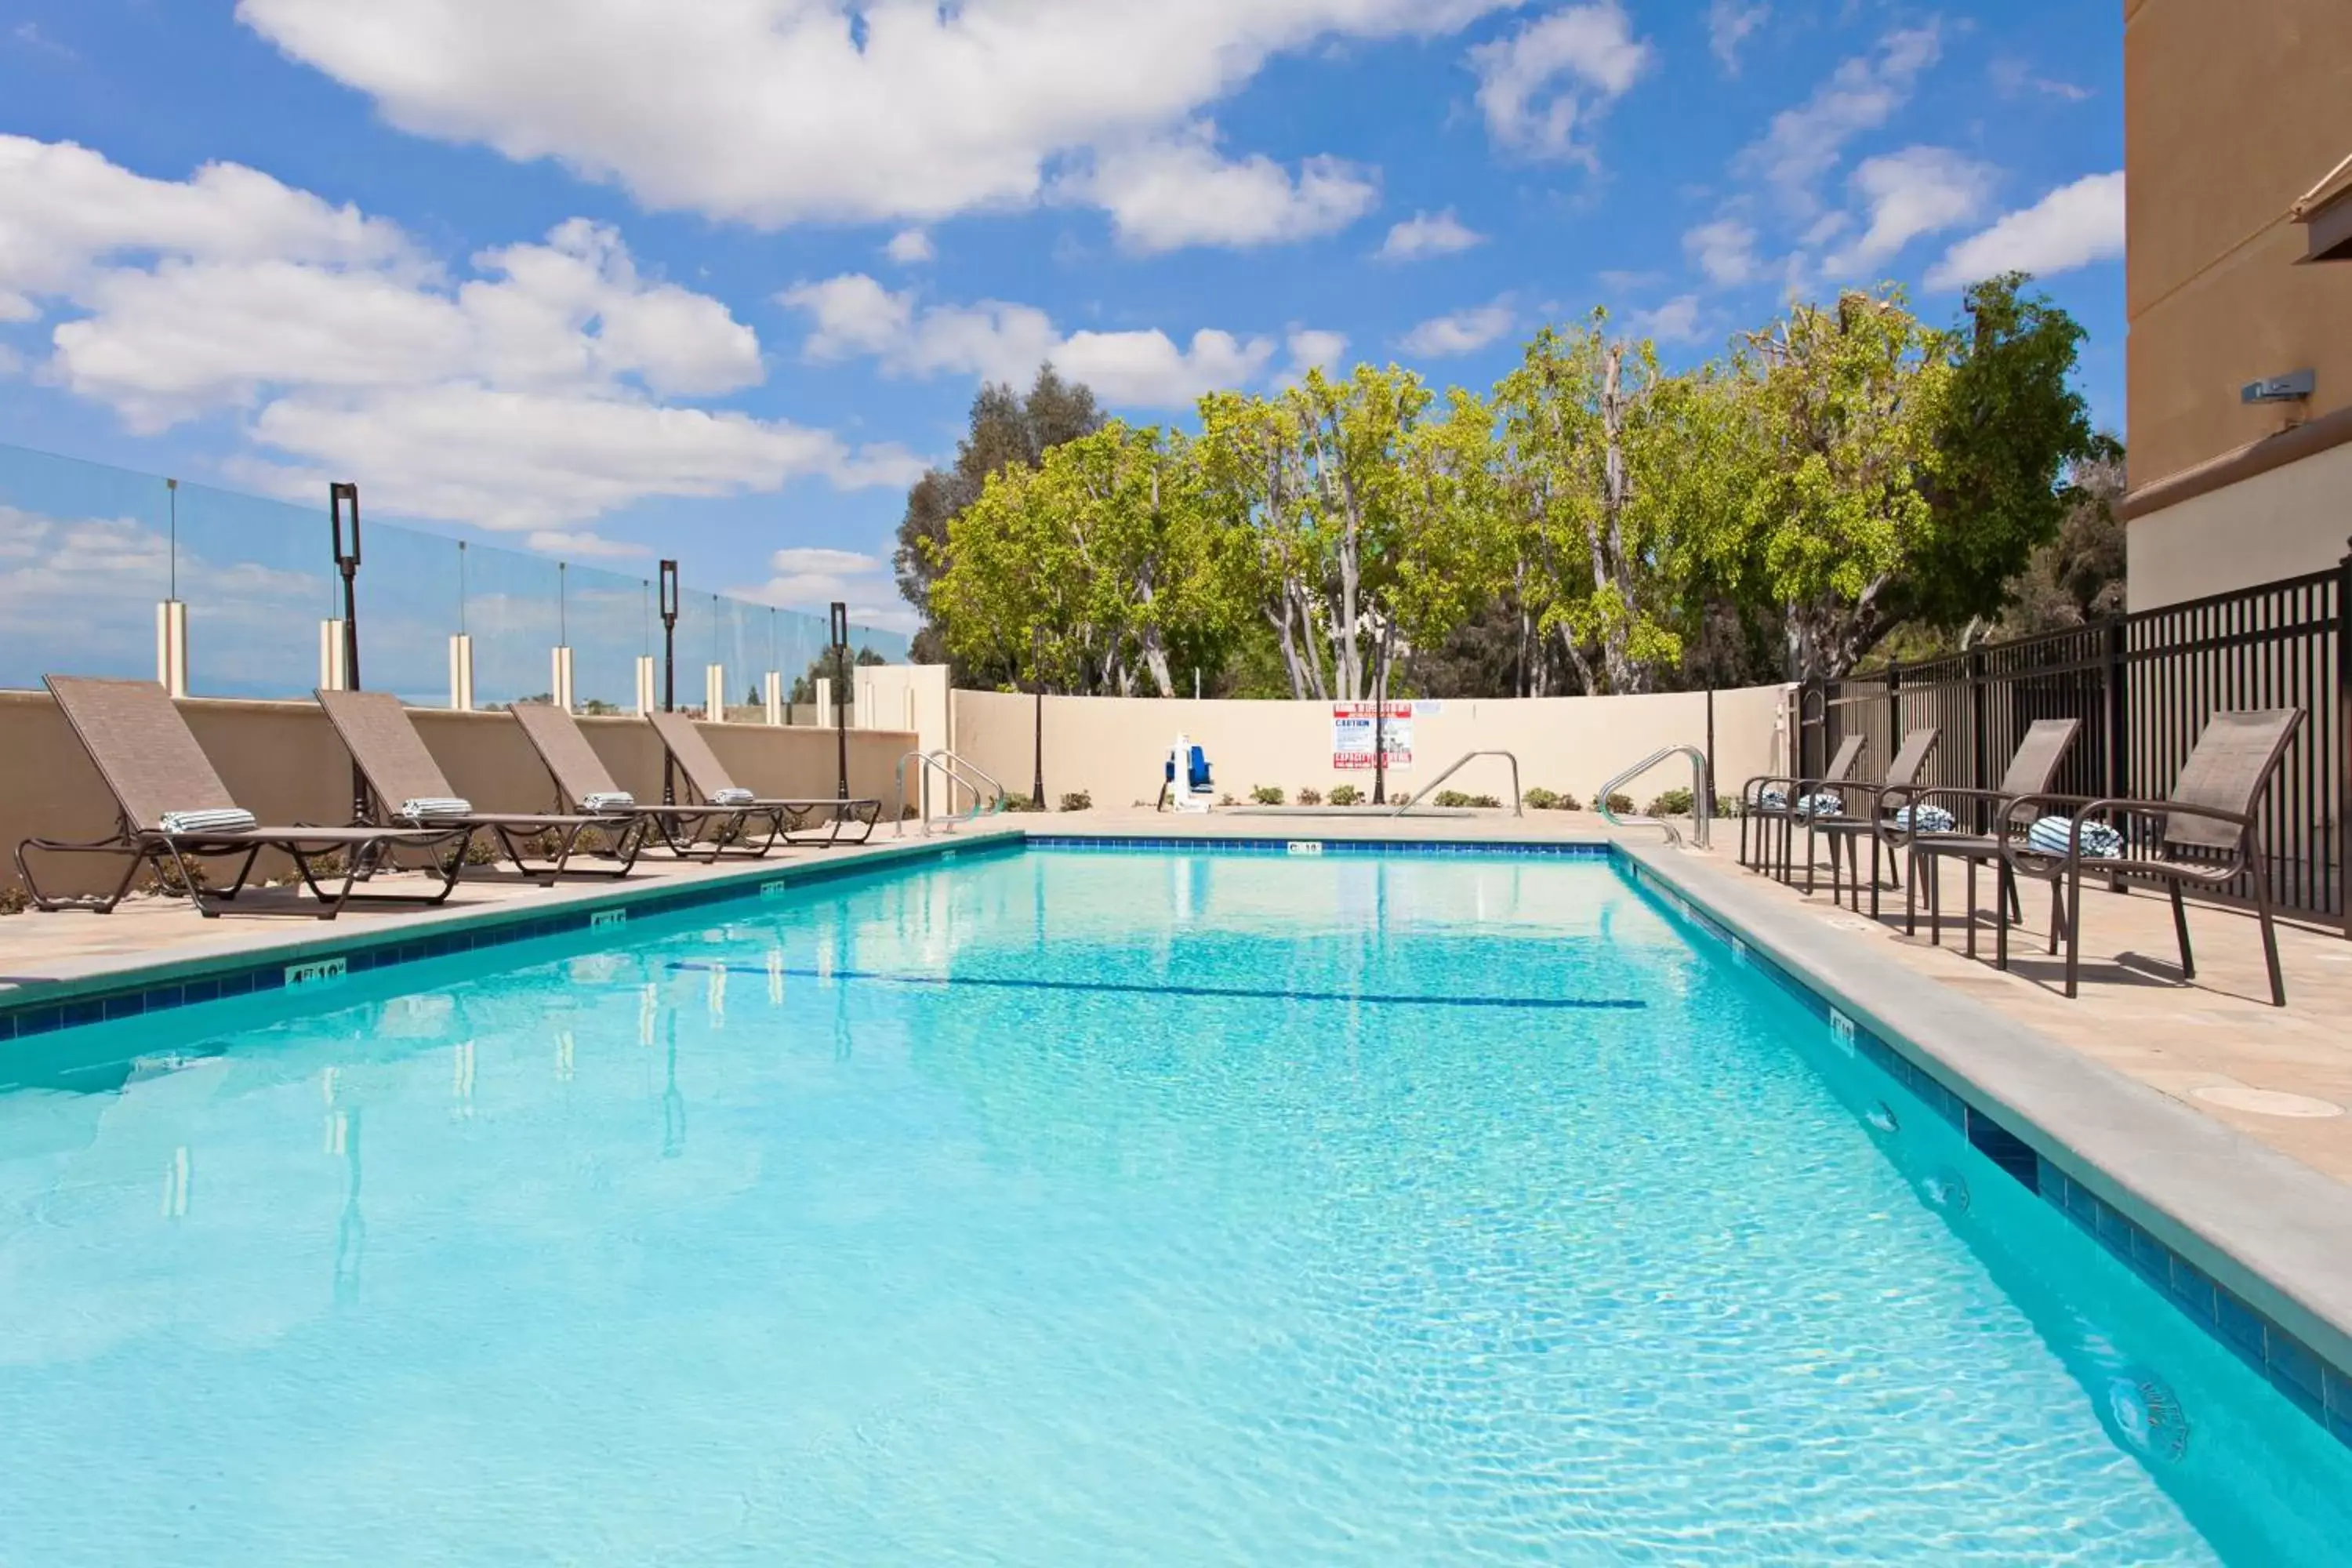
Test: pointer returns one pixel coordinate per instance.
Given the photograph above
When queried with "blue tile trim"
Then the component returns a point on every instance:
(2315, 1388)
(1336, 848)
(38, 1017)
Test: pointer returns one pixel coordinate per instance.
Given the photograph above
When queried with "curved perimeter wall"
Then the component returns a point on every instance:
(1112, 748)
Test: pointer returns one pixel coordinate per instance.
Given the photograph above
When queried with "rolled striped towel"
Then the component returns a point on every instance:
(215, 819)
(1822, 802)
(606, 802)
(1773, 797)
(733, 797)
(2054, 835)
(1922, 819)
(426, 807)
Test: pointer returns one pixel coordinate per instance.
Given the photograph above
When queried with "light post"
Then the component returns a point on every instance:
(841, 695)
(339, 494)
(668, 581)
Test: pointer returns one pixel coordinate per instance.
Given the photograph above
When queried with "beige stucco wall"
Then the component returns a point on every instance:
(1113, 748)
(2231, 112)
(282, 762)
(2282, 524)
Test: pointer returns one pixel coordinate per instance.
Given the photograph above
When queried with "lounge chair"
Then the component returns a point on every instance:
(174, 811)
(585, 784)
(407, 789)
(1771, 802)
(1847, 827)
(708, 779)
(1197, 778)
(2204, 834)
(2030, 772)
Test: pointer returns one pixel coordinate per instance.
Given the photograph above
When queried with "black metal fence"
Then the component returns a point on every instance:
(2143, 685)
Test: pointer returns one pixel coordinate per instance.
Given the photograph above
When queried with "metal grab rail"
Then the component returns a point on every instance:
(1702, 798)
(945, 763)
(1459, 763)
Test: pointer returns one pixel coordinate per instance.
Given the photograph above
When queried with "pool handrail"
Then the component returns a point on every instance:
(1464, 760)
(945, 763)
(1702, 798)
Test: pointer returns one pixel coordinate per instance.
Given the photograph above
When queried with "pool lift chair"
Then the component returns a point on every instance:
(1190, 792)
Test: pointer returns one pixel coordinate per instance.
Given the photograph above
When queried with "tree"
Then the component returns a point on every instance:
(824, 667)
(1006, 429)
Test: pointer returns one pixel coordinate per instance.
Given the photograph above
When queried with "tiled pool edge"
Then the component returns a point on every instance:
(128, 989)
(2285, 1311)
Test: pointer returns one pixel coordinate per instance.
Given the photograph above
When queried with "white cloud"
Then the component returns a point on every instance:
(840, 562)
(776, 112)
(1179, 190)
(537, 392)
(576, 544)
(1804, 143)
(1917, 191)
(1725, 250)
(852, 316)
(910, 248)
(1729, 24)
(1311, 350)
(1538, 86)
(1675, 322)
(1429, 234)
(2073, 227)
(1463, 333)
(2014, 79)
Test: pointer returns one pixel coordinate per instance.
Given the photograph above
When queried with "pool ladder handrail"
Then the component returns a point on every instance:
(945, 763)
(1702, 798)
(1465, 759)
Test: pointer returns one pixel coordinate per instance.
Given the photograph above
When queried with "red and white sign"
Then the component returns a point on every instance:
(1353, 730)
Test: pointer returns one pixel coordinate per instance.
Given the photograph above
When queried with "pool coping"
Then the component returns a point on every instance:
(2250, 1243)
(2257, 1230)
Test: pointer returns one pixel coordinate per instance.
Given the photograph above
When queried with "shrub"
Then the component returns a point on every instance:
(1267, 794)
(1022, 802)
(1078, 800)
(1453, 800)
(1347, 794)
(1539, 799)
(1622, 804)
(1310, 796)
(1486, 802)
(15, 900)
(1227, 799)
(1673, 802)
(908, 812)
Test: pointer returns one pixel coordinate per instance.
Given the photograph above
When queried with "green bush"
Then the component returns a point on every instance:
(1622, 804)
(1347, 794)
(1449, 800)
(1673, 802)
(1022, 802)
(1486, 802)
(1267, 794)
(1227, 799)
(1078, 800)
(1310, 796)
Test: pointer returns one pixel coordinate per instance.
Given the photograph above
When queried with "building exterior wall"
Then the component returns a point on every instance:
(2231, 113)
(282, 762)
(1113, 748)
(2280, 523)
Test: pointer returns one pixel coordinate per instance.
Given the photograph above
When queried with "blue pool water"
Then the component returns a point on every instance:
(1059, 1208)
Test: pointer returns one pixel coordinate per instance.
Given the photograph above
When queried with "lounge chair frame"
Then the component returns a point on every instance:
(1847, 828)
(144, 752)
(706, 776)
(396, 764)
(577, 772)
(2031, 768)
(1782, 819)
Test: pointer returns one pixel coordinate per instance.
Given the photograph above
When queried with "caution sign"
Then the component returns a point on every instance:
(1353, 725)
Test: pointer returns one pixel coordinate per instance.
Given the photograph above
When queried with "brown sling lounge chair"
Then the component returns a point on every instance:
(391, 756)
(2030, 772)
(1784, 815)
(1847, 828)
(2204, 834)
(154, 767)
(707, 778)
(582, 779)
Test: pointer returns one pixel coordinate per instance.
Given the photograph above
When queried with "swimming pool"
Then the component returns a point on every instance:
(1051, 1206)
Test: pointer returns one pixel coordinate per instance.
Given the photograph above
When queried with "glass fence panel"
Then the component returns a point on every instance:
(88, 551)
(411, 603)
(86, 554)
(609, 620)
(513, 607)
(258, 577)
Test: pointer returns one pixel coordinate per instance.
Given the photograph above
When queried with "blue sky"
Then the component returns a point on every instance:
(713, 282)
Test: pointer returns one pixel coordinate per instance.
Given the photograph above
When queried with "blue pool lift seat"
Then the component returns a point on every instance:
(1196, 775)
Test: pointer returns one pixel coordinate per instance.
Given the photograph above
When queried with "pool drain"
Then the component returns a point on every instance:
(2149, 1416)
(1882, 1116)
(1945, 1189)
